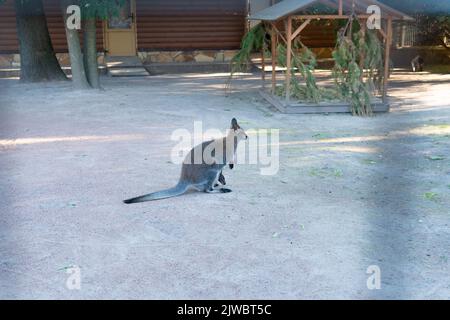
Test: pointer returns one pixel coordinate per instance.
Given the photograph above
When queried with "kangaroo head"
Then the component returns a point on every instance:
(237, 131)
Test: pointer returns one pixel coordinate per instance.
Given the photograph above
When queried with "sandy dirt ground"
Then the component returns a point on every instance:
(350, 193)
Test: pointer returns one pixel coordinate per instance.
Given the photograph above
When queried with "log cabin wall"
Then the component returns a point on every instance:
(161, 25)
(319, 35)
(8, 32)
(190, 25)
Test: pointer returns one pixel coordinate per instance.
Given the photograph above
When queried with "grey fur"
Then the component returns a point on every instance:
(202, 176)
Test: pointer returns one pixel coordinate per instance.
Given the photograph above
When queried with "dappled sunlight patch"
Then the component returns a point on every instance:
(11, 78)
(214, 75)
(334, 140)
(434, 129)
(351, 149)
(426, 130)
(413, 107)
(96, 138)
(439, 96)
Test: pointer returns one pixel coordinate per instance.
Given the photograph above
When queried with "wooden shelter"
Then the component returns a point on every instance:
(287, 11)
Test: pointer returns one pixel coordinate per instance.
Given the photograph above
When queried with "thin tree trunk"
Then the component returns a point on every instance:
(444, 44)
(79, 79)
(90, 52)
(37, 57)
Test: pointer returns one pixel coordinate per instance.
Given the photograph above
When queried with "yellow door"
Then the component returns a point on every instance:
(120, 32)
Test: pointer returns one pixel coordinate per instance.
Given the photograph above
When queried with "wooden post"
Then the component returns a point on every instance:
(274, 59)
(403, 37)
(363, 34)
(288, 57)
(387, 57)
(299, 29)
(340, 8)
(263, 67)
(247, 13)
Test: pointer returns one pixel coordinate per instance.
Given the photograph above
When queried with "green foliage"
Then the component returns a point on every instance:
(253, 41)
(373, 59)
(420, 6)
(432, 196)
(432, 19)
(358, 64)
(433, 29)
(438, 68)
(101, 9)
(304, 61)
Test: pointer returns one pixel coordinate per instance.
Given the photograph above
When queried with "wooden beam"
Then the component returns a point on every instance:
(387, 57)
(263, 66)
(278, 32)
(308, 108)
(327, 16)
(246, 21)
(363, 25)
(299, 29)
(403, 36)
(383, 34)
(263, 62)
(288, 57)
(274, 59)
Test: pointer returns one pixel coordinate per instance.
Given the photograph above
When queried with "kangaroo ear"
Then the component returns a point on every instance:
(234, 124)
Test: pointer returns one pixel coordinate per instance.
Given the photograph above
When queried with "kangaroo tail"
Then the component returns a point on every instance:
(178, 190)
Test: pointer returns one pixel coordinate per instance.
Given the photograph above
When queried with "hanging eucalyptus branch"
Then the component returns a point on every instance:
(303, 61)
(358, 64)
(254, 40)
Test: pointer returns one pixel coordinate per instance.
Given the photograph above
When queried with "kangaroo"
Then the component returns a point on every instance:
(417, 64)
(204, 175)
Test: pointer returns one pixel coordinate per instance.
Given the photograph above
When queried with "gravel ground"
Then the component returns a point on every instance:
(350, 193)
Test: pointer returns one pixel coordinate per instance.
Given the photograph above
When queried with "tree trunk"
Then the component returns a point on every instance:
(444, 44)
(90, 52)
(37, 57)
(79, 79)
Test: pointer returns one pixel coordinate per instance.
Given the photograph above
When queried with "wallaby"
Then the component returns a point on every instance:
(417, 64)
(203, 176)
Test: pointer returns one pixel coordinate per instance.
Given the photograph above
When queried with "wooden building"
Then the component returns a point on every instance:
(146, 26)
